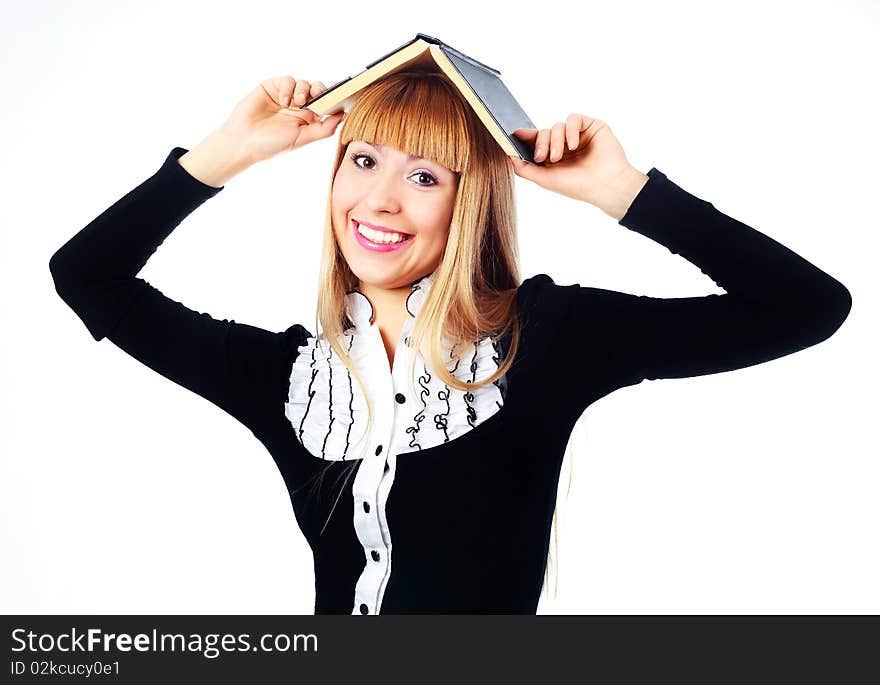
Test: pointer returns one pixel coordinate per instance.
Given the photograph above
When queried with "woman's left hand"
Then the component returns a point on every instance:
(581, 159)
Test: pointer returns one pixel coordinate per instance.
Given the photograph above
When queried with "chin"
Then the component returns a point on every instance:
(378, 277)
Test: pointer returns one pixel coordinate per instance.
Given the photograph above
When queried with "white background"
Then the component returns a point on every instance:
(754, 491)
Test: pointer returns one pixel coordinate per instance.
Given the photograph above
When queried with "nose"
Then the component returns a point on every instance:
(383, 193)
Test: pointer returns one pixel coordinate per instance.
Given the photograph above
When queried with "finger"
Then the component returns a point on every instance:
(276, 87)
(557, 141)
(301, 92)
(317, 87)
(284, 85)
(573, 127)
(526, 134)
(542, 144)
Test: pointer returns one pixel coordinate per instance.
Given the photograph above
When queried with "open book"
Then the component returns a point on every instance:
(480, 85)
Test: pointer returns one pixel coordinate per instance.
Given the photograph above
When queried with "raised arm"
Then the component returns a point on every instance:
(230, 364)
(776, 303)
(240, 368)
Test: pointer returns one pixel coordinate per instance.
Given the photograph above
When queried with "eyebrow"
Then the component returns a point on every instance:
(385, 147)
(411, 157)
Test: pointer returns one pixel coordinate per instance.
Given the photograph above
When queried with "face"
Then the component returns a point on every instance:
(409, 204)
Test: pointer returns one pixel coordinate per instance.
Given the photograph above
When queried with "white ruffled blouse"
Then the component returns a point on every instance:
(329, 416)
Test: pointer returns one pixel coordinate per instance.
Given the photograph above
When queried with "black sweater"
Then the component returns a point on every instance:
(484, 549)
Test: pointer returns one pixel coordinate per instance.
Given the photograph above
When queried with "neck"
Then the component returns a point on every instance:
(389, 305)
(389, 314)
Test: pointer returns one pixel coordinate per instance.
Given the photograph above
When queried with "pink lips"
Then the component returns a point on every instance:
(365, 242)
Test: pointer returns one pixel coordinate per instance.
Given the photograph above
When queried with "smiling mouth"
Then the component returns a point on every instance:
(381, 237)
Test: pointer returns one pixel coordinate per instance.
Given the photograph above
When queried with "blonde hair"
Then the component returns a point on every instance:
(473, 289)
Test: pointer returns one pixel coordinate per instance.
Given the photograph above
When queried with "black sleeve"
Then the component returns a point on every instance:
(240, 368)
(775, 303)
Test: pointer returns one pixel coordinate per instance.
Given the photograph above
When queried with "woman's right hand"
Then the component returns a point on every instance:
(269, 121)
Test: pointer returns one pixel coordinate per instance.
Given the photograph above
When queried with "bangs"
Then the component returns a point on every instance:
(419, 113)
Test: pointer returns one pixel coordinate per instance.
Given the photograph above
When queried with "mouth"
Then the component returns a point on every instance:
(379, 240)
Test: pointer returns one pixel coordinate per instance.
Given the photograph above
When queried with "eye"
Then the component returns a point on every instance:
(362, 155)
(427, 175)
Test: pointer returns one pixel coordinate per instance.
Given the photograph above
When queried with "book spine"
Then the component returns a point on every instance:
(471, 60)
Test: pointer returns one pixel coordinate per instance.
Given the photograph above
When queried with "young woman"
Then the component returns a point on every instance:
(421, 434)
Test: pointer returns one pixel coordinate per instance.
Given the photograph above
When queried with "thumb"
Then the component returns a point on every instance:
(525, 169)
(321, 129)
(328, 126)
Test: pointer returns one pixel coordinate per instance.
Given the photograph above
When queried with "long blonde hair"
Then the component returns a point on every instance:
(473, 289)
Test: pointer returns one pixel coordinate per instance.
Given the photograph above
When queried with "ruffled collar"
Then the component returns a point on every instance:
(328, 410)
(361, 312)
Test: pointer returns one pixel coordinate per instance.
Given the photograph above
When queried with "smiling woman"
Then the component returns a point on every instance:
(456, 472)
(413, 159)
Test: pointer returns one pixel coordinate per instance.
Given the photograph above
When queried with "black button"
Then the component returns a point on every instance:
(375, 555)
(400, 398)
(386, 466)
(366, 506)
(364, 609)
(379, 450)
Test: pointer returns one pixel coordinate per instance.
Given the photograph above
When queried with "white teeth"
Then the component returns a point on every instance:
(379, 236)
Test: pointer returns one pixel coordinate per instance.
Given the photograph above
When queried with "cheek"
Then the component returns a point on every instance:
(437, 238)
(341, 191)
(441, 216)
(338, 227)
(340, 204)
